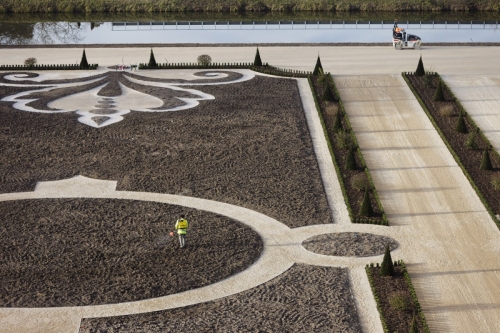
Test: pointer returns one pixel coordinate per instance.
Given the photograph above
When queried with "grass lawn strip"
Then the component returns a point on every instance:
(162, 6)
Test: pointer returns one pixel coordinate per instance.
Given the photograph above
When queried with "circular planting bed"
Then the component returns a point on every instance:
(349, 244)
(74, 252)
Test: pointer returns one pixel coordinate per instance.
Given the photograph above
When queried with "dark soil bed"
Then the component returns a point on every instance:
(469, 157)
(250, 146)
(349, 244)
(394, 289)
(303, 299)
(73, 252)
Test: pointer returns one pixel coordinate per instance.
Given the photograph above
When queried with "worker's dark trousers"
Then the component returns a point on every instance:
(182, 240)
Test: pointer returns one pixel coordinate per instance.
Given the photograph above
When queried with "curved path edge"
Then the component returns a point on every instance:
(282, 248)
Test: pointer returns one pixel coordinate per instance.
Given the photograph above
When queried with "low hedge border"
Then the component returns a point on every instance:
(450, 148)
(354, 219)
(407, 278)
(266, 68)
(367, 171)
(44, 67)
(414, 295)
(195, 65)
(375, 296)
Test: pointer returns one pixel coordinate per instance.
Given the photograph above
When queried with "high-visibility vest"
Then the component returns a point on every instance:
(181, 226)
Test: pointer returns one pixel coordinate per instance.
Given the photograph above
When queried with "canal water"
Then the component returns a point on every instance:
(227, 29)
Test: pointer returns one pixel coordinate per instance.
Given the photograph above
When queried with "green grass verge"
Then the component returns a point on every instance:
(51, 6)
(450, 148)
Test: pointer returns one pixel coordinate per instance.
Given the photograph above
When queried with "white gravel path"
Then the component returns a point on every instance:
(282, 248)
(480, 96)
(338, 60)
(450, 242)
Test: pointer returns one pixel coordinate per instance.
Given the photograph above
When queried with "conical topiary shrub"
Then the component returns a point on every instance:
(414, 324)
(350, 161)
(322, 78)
(439, 96)
(461, 128)
(257, 61)
(387, 267)
(327, 94)
(84, 63)
(152, 60)
(486, 161)
(420, 68)
(337, 125)
(317, 67)
(366, 206)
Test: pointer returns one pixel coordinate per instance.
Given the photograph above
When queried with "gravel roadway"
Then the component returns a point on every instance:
(337, 60)
(451, 244)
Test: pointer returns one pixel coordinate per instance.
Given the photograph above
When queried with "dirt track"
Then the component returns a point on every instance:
(452, 243)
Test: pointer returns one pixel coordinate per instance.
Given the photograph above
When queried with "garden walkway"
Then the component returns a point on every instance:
(480, 96)
(451, 244)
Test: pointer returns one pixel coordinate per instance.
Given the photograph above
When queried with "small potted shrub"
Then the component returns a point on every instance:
(30, 62)
(204, 60)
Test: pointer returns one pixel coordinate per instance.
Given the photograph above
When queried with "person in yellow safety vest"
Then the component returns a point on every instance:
(181, 225)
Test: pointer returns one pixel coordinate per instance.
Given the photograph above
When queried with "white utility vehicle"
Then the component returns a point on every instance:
(402, 40)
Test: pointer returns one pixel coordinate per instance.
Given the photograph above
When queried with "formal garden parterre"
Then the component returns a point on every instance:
(63, 148)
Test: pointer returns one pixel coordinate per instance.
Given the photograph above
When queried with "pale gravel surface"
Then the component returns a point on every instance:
(450, 243)
(338, 60)
(480, 96)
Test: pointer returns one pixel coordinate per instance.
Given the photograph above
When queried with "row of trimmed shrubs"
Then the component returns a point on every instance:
(46, 67)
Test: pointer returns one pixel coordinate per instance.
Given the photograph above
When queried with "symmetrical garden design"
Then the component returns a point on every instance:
(235, 141)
